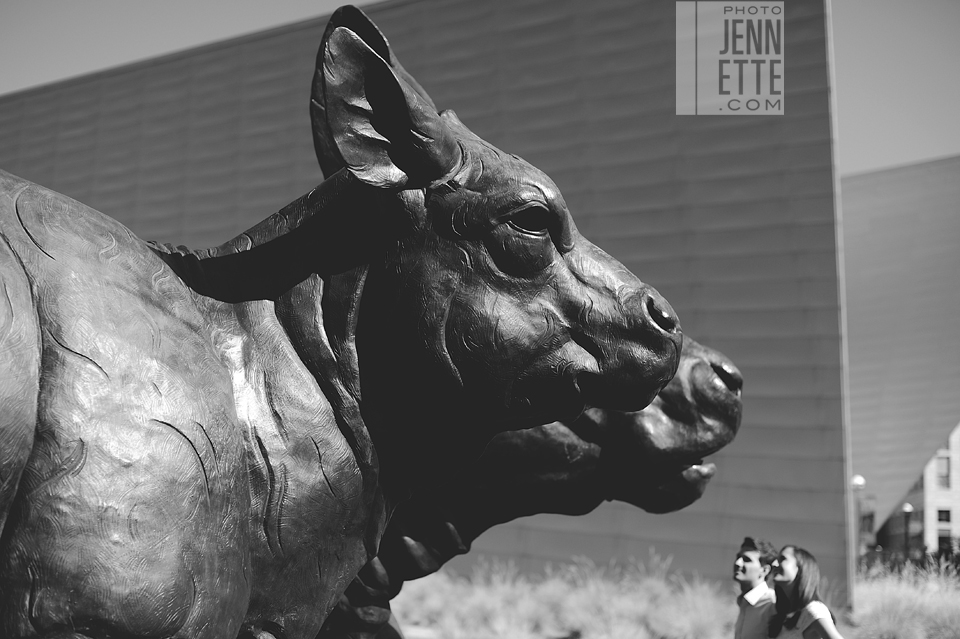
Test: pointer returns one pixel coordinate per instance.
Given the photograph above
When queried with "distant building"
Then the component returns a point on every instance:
(901, 233)
(932, 512)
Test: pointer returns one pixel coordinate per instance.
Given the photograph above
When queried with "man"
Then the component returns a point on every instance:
(757, 601)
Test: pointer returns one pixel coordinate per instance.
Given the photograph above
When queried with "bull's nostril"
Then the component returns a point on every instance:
(662, 315)
(729, 375)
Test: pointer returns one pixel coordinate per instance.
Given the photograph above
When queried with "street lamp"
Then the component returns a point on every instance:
(907, 511)
(858, 483)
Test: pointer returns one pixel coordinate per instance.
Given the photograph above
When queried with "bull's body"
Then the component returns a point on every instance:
(204, 443)
(170, 431)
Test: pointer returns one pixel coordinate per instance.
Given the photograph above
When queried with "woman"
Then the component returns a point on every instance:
(800, 612)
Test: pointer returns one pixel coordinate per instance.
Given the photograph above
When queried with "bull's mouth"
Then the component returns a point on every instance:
(640, 471)
(694, 475)
(566, 396)
(561, 384)
(627, 397)
(677, 488)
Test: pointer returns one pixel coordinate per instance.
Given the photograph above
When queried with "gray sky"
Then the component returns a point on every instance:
(897, 61)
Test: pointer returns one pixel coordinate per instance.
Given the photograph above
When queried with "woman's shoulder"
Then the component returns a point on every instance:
(815, 610)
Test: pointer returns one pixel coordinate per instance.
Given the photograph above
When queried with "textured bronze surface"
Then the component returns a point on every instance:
(650, 458)
(209, 443)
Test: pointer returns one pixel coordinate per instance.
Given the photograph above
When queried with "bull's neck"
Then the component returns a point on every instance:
(416, 416)
(333, 228)
(309, 260)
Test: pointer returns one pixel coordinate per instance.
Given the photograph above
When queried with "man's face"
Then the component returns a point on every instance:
(747, 569)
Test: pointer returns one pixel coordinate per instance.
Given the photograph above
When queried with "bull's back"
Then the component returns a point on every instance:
(135, 451)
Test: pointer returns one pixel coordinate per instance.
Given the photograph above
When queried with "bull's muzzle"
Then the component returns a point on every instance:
(640, 355)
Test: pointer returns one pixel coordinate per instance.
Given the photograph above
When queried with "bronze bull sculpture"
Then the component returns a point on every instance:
(208, 444)
(564, 468)
(644, 458)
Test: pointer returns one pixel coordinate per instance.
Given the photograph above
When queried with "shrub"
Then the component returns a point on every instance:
(910, 603)
(636, 601)
(576, 601)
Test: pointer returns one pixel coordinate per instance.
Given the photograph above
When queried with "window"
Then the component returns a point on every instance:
(945, 543)
(943, 515)
(943, 471)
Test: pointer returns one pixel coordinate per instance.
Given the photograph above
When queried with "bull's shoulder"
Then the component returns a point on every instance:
(134, 408)
(124, 344)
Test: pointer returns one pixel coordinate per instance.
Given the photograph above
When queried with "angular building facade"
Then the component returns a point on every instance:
(733, 219)
(901, 238)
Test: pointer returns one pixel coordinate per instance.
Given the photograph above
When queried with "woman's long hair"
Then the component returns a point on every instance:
(807, 589)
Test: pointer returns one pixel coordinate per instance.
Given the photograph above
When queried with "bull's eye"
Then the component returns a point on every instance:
(520, 244)
(532, 219)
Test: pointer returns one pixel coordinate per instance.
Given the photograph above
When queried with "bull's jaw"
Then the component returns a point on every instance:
(654, 457)
(677, 490)
(638, 473)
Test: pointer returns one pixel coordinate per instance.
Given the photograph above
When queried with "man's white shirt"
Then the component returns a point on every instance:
(756, 608)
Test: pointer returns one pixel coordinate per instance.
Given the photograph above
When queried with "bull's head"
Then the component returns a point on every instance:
(490, 305)
(556, 468)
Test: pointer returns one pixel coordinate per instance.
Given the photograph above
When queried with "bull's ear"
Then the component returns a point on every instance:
(357, 21)
(384, 131)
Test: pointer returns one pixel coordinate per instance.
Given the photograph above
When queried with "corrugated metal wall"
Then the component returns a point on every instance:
(902, 242)
(732, 218)
(191, 148)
